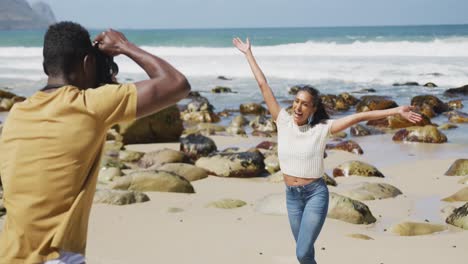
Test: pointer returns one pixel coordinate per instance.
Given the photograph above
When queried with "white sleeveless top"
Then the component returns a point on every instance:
(301, 148)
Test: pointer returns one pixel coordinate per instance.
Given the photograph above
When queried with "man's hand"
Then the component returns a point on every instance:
(112, 43)
(405, 111)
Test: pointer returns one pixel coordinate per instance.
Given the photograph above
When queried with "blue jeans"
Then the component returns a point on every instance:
(307, 209)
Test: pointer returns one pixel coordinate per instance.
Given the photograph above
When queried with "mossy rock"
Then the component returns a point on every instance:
(357, 168)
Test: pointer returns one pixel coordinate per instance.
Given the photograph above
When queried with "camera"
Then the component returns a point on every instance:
(106, 68)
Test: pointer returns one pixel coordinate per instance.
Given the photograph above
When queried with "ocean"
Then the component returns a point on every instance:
(332, 59)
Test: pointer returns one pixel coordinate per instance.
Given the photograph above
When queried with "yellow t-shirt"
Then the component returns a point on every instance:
(50, 149)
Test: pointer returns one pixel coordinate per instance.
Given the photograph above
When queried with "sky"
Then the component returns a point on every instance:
(160, 14)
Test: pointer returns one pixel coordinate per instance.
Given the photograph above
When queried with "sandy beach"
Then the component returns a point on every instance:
(149, 233)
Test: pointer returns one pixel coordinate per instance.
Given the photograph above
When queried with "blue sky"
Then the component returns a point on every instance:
(258, 13)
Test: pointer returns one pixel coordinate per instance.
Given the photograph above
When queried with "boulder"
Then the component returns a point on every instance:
(329, 180)
(263, 124)
(370, 103)
(431, 100)
(196, 146)
(239, 121)
(164, 126)
(252, 109)
(117, 197)
(359, 130)
(463, 90)
(447, 126)
(349, 210)
(426, 134)
(236, 131)
(458, 117)
(430, 85)
(460, 196)
(109, 174)
(227, 204)
(459, 217)
(200, 110)
(348, 99)
(458, 168)
(221, 89)
(272, 164)
(416, 229)
(153, 181)
(204, 129)
(188, 171)
(373, 191)
(407, 84)
(240, 164)
(357, 168)
(268, 145)
(160, 157)
(455, 104)
(347, 145)
(463, 181)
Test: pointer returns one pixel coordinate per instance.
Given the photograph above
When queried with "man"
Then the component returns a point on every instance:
(52, 142)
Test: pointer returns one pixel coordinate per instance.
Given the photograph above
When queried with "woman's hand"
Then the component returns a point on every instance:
(405, 112)
(240, 45)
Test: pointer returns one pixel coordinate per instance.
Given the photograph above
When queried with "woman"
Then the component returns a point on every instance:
(301, 144)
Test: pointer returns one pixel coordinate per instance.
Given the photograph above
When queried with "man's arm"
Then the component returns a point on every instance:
(166, 85)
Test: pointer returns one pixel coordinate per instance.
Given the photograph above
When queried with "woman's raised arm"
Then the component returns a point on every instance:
(267, 93)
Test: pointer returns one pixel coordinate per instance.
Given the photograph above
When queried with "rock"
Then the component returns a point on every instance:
(430, 84)
(463, 181)
(239, 121)
(272, 164)
(357, 168)
(460, 196)
(359, 130)
(116, 197)
(294, 89)
(252, 109)
(130, 156)
(459, 217)
(193, 94)
(8, 99)
(221, 89)
(262, 124)
(164, 126)
(463, 90)
(257, 133)
(153, 181)
(329, 180)
(108, 174)
(44, 11)
(348, 99)
(370, 103)
(241, 164)
(188, 171)
(458, 168)
(455, 104)
(200, 110)
(19, 15)
(365, 90)
(224, 78)
(360, 236)
(416, 229)
(430, 100)
(157, 158)
(227, 204)
(205, 129)
(340, 135)
(426, 134)
(373, 191)
(268, 145)
(349, 210)
(110, 155)
(458, 117)
(347, 145)
(236, 131)
(112, 134)
(447, 126)
(196, 146)
(406, 84)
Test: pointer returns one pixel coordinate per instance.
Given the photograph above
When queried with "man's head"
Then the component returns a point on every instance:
(68, 54)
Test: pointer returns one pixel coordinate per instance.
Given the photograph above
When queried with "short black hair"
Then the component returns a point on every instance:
(65, 45)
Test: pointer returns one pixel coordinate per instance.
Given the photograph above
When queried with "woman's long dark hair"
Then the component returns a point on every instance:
(320, 115)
